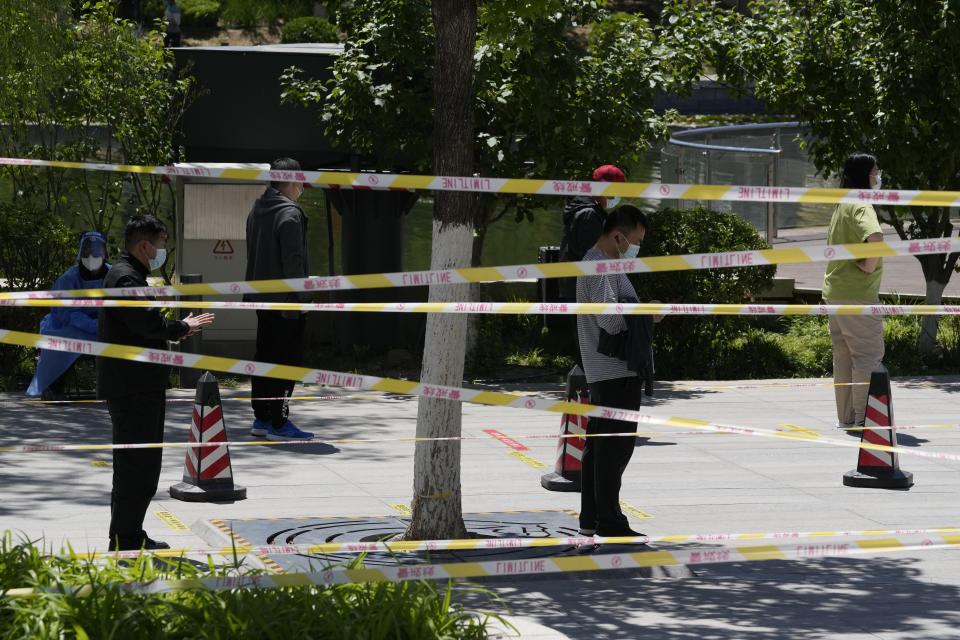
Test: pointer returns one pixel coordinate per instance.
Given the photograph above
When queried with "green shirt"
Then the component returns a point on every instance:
(851, 224)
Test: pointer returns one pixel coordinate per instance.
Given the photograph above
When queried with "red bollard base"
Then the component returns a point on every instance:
(208, 493)
(883, 478)
(557, 482)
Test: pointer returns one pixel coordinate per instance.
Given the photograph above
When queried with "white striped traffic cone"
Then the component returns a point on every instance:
(566, 473)
(875, 468)
(207, 473)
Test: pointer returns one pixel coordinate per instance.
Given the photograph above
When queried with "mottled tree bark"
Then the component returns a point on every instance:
(437, 509)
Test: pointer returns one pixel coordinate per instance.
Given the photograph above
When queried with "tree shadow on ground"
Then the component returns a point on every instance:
(663, 394)
(946, 384)
(820, 598)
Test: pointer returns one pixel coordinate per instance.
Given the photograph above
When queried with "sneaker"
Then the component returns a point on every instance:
(845, 425)
(259, 428)
(287, 432)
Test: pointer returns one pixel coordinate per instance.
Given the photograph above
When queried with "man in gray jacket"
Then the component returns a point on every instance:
(277, 249)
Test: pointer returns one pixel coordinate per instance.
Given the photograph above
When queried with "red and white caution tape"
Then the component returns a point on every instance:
(526, 566)
(479, 184)
(374, 383)
(518, 308)
(471, 544)
(695, 261)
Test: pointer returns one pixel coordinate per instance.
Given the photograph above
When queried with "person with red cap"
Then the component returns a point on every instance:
(583, 219)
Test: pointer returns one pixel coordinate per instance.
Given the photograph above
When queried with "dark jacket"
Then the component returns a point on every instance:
(136, 326)
(276, 245)
(635, 345)
(583, 220)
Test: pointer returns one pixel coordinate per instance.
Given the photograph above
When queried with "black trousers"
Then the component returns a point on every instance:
(136, 418)
(280, 341)
(605, 459)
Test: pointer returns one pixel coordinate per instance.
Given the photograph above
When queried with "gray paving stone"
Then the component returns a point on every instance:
(702, 483)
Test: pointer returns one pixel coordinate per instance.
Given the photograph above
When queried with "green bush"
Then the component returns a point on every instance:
(603, 34)
(700, 346)
(199, 13)
(151, 11)
(800, 347)
(249, 14)
(375, 611)
(309, 29)
(37, 248)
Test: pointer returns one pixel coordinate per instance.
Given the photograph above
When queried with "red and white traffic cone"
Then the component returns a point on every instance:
(875, 468)
(566, 473)
(207, 473)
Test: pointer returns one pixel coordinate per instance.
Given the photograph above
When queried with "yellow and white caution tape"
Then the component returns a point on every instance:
(475, 544)
(696, 261)
(727, 429)
(341, 379)
(519, 308)
(478, 184)
(30, 400)
(526, 566)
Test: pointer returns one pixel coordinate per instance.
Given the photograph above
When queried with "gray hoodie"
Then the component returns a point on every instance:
(276, 245)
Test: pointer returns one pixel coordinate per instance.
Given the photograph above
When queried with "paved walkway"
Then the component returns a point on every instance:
(901, 275)
(688, 483)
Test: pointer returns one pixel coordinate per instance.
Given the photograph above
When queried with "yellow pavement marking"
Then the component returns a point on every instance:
(171, 521)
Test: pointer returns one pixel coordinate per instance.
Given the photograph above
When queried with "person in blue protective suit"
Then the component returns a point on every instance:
(70, 322)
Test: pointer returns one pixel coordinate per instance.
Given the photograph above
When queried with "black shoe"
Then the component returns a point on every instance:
(49, 395)
(151, 544)
(136, 544)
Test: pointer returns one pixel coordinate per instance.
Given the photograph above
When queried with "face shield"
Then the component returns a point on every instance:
(93, 250)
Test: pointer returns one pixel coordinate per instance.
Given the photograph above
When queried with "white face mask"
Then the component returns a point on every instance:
(157, 261)
(612, 202)
(879, 181)
(92, 263)
(633, 250)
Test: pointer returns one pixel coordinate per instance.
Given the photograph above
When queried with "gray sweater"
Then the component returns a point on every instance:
(608, 288)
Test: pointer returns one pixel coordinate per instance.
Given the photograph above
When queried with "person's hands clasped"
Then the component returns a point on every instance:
(196, 323)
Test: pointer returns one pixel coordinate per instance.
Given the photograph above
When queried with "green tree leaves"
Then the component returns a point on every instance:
(549, 103)
(87, 89)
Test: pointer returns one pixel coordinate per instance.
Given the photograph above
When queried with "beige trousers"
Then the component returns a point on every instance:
(857, 350)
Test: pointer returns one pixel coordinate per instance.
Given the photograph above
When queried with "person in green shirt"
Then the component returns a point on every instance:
(857, 339)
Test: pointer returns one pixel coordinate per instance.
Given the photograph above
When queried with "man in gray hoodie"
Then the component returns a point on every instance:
(277, 249)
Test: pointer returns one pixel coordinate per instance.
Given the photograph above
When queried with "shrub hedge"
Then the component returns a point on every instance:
(199, 13)
(308, 29)
(700, 346)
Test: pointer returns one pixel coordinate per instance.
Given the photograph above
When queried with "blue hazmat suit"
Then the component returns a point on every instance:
(71, 322)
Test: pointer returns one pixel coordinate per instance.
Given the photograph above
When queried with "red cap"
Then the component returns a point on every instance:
(608, 173)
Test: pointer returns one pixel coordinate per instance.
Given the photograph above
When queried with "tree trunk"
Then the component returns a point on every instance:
(437, 510)
(937, 268)
(930, 324)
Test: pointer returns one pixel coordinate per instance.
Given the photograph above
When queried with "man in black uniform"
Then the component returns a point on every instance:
(136, 391)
